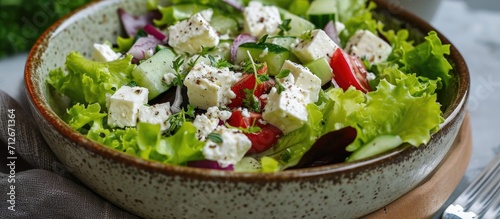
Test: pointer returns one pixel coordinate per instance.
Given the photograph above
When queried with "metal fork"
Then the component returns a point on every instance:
(481, 199)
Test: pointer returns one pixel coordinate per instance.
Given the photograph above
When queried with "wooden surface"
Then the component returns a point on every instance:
(427, 199)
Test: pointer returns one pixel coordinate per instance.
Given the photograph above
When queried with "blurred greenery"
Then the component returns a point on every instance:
(23, 21)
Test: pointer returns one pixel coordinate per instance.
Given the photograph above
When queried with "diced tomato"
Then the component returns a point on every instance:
(349, 71)
(264, 139)
(247, 82)
(261, 140)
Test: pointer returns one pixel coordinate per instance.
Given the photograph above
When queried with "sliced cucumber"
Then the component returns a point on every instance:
(286, 42)
(377, 146)
(271, 54)
(321, 68)
(172, 14)
(283, 41)
(224, 24)
(297, 24)
(150, 72)
(321, 12)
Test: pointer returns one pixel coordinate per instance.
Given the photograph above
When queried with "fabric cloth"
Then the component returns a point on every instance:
(43, 188)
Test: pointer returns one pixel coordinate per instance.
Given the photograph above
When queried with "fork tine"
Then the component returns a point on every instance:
(472, 191)
(486, 195)
(494, 209)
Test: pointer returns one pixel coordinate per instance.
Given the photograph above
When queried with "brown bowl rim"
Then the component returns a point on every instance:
(457, 105)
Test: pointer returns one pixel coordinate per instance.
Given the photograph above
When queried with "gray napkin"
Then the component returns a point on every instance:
(45, 189)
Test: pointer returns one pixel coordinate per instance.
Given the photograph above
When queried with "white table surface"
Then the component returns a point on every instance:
(471, 25)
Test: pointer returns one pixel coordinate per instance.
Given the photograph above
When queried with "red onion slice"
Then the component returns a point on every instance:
(332, 32)
(236, 5)
(142, 46)
(209, 164)
(132, 24)
(153, 31)
(240, 39)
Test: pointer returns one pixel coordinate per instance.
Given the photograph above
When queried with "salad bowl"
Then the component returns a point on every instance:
(155, 190)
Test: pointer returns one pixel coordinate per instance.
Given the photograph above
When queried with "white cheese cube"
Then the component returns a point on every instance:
(366, 45)
(305, 79)
(188, 36)
(204, 125)
(286, 110)
(124, 106)
(104, 53)
(231, 150)
(318, 45)
(260, 20)
(156, 114)
(208, 86)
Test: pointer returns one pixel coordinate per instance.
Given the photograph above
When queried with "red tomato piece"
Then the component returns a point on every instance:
(261, 140)
(247, 82)
(349, 71)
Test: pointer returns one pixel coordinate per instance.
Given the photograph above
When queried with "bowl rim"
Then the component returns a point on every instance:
(34, 58)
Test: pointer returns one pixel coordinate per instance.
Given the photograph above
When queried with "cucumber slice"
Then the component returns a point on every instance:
(321, 12)
(321, 68)
(272, 54)
(172, 14)
(378, 145)
(297, 24)
(283, 41)
(286, 42)
(150, 72)
(224, 24)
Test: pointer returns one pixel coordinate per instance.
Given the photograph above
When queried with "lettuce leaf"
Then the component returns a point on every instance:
(291, 147)
(181, 147)
(428, 59)
(88, 81)
(407, 109)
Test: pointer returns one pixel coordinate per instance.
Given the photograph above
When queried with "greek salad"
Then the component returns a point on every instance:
(256, 86)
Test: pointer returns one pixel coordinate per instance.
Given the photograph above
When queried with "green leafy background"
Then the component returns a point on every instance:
(22, 21)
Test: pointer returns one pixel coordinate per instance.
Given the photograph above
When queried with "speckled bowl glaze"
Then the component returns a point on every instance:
(155, 190)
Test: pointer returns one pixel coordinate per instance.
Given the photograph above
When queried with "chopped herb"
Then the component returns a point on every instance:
(262, 78)
(215, 137)
(250, 101)
(176, 120)
(221, 63)
(307, 35)
(262, 39)
(283, 74)
(132, 84)
(279, 87)
(284, 27)
(248, 130)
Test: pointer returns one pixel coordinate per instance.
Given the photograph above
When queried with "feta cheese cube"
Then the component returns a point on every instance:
(204, 125)
(366, 45)
(209, 86)
(231, 150)
(104, 53)
(305, 79)
(188, 36)
(286, 110)
(124, 106)
(260, 20)
(156, 114)
(318, 45)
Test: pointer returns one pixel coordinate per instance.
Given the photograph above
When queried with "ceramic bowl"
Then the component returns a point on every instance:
(155, 190)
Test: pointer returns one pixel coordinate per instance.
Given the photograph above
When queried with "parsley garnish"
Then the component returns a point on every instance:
(262, 39)
(176, 120)
(221, 63)
(132, 84)
(283, 74)
(248, 130)
(279, 87)
(307, 35)
(250, 101)
(284, 27)
(215, 137)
